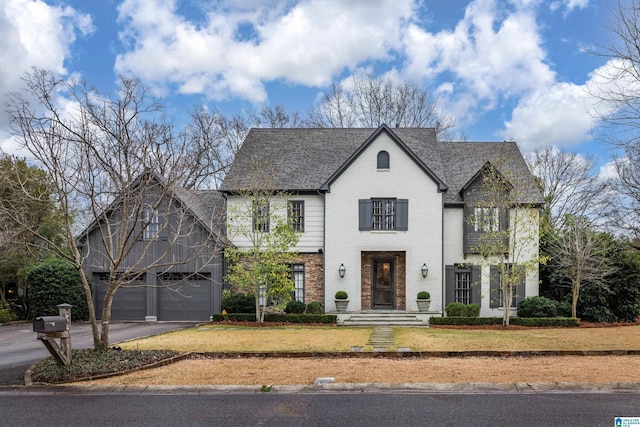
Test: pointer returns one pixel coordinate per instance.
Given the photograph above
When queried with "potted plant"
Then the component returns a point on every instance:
(423, 300)
(341, 301)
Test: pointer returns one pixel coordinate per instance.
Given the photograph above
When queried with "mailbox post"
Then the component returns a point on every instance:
(51, 327)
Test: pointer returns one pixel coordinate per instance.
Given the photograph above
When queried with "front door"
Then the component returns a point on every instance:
(383, 284)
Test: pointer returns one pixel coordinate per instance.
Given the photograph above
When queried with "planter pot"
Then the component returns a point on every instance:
(423, 305)
(341, 305)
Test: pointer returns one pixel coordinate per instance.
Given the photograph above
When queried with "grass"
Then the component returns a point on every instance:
(221, 338)
(214, 338)
(435, 339)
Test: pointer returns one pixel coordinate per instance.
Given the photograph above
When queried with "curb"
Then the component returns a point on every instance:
(405, 388)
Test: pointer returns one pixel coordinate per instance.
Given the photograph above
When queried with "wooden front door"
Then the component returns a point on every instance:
(383, 283)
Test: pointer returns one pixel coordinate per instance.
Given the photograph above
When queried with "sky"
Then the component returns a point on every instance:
(504, 69)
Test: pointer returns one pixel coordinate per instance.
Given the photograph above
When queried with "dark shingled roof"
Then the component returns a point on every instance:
(305, 159)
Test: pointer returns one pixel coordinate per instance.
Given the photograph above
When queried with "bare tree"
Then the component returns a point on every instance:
(569, 185)
(618, 95)
(504, 217)
(581, 251)
(371, 101)
(116, 168)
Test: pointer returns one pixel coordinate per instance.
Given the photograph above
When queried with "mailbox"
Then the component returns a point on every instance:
(50, 324)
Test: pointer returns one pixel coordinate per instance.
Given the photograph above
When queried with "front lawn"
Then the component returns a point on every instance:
(219, 338)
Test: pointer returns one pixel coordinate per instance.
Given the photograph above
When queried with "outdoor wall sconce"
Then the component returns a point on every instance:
(424, 270)
(342, 270)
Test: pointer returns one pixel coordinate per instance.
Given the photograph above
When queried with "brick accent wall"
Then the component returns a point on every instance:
(366, 260)
(313, 277)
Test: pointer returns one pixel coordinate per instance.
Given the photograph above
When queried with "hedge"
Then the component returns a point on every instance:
(273, 317)
(517, 321)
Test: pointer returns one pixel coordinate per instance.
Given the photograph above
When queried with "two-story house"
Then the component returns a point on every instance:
(385, 213)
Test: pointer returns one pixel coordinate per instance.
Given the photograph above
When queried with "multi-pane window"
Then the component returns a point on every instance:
(486, 219)
(261, 217)
(297, 274)
(516, 274)
(296, 215)
(383, 214)
(462, 286)
(151, 223)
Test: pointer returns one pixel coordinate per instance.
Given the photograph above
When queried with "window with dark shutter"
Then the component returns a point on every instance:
(383, 214)
(518, 290)
(462, 284)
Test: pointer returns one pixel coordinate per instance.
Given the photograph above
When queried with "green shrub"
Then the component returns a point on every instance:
(240, 303)
(424, 295)
(341, 295)
(455, 309)
(5, 315)
(564, 308)
(294, 307)
(517, 321)
(56, 282)
(472, 310)
(537, 307)
(598, 315)
(274, 317)
(314, 308)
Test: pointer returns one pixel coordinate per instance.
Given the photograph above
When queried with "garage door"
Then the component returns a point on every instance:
(128, 303)
(186, 298)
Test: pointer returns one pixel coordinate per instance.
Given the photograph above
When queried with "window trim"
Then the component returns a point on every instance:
(261, 217)
(297, 223)
(151, 224)
(298, 269)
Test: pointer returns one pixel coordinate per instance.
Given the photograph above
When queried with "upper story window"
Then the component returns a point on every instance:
(383, 160)
(151, 224)
(261, 217)
(296, 215)
(383, 214)
(486, 219)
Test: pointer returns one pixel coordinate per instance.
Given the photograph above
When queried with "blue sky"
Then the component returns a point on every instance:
(505, 69)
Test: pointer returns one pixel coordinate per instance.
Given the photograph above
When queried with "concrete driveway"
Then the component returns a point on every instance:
(19, 346)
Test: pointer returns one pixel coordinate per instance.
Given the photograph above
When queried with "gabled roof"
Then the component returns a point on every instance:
(204, 205)
(384, 129)
(307, 159)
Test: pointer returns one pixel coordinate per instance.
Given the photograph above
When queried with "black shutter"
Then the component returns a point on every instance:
(521, 287)
(364, 214)
(476, 285)
(402, 214)
(450, 284)
(494, 285)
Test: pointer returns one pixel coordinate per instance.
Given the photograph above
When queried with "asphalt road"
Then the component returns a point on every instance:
(19, 346)
(166, 408)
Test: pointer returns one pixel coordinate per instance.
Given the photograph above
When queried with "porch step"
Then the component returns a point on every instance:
(385, 319)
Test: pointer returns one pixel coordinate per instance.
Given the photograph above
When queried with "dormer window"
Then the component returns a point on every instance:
(383, 160)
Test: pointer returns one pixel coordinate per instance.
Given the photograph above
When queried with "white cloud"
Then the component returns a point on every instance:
(568, 6)
(495, 52)
(557, 114)
(308, 44)
(35, 34)
(609, 170)
(565, 114)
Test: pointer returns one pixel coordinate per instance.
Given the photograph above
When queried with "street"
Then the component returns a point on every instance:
(55, 407)
(19, 346)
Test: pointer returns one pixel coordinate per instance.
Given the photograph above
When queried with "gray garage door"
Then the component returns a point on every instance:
(186, 298)
(128, 303)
